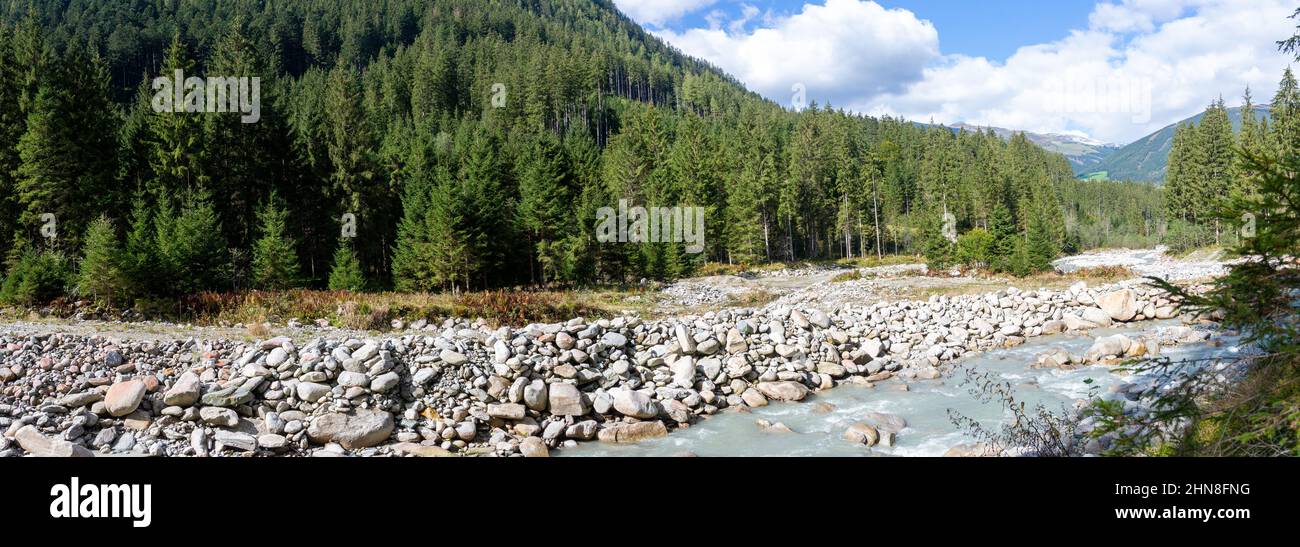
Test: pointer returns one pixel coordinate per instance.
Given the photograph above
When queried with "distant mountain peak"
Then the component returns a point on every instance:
(1079, 149)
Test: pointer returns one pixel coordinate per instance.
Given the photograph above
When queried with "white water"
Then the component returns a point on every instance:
(925, 406)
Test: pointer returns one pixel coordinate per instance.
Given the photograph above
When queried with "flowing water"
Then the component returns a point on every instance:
(925, 406)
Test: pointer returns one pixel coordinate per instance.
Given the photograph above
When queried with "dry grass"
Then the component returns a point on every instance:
(751, 299)
(718, 268)
(1258, 416)
(887, 260)
(852, 275)
(376, 311)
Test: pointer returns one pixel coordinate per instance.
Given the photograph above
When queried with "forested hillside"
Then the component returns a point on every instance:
(1146, 159)
(1208, 164)
(473, 140)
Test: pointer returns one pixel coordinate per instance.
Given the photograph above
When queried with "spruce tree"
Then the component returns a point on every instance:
(346, 275)
(544, 204)
(140, 260)
(13, 123)
(412, 263)
(1285, 113)
(275, 263)
(484, 208)
(100, 275)
(192, 253)
(178, 147)
(67, 152)
(1215, 161)
(452, 259)
(1005, 236)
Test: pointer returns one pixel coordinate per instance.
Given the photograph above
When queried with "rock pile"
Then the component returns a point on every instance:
(465, 388)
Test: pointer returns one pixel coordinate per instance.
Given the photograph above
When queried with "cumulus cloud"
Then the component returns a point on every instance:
(1114, 82)
(658, 12)
(1138, 66)
(839, 51)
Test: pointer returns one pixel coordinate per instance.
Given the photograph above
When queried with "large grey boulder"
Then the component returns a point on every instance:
(357, 429)
(635, 404)
(1119, 305)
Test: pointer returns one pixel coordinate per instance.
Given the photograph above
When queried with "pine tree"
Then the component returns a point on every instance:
(140, 260)
(544, 203)
(1285, 113)
(450, 242)
(1180, 173)
(1042, 244)
(346, 275)
(13, 123)
(1005, 236)
(1215, 160)
(67, 152)
(350, 143)
(192, 253)
(412, 261)
(275, 263)
(178, 148)
(1250, 140)
(486, 211)
(100, 275)
(938, 249)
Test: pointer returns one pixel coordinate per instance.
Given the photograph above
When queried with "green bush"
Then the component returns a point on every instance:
(975, 248)
(1184, 236)
(36, 277)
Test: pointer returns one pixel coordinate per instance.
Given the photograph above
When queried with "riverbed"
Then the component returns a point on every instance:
(925, 405)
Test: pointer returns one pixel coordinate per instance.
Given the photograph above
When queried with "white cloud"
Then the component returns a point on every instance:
(1137, 15)
(658, 12)
(863, 57)
(1111, 85)
(839, 51)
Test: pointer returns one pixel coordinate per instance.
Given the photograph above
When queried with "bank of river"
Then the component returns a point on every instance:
(925, 405)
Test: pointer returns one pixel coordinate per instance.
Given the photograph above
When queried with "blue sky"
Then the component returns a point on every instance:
(1108, 70)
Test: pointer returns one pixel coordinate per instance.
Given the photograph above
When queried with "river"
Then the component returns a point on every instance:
(925, 406)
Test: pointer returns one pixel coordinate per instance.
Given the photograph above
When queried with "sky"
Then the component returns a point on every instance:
(1112, 71)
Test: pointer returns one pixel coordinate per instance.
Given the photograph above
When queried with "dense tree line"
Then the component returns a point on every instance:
(467, 144)
(1205, 165)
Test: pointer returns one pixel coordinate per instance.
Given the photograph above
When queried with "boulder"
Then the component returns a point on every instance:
(357, 429)
(221, 417)
(421, 451)
(185, 392)
(124, 397)
(1116, 345)
(635, 404)
(883, 421)
(1120, 305)
(533, 447)
(1097, 317)
(41, 446)
(632, 433)
(861, 433)
(567, 400)
(507, 411)
(783, 390)
(311, 391)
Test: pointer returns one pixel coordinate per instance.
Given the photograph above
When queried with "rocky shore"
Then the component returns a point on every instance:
(462, 388)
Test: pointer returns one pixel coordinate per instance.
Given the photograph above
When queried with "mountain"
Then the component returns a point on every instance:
(1145, 158)
(1081, 151)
